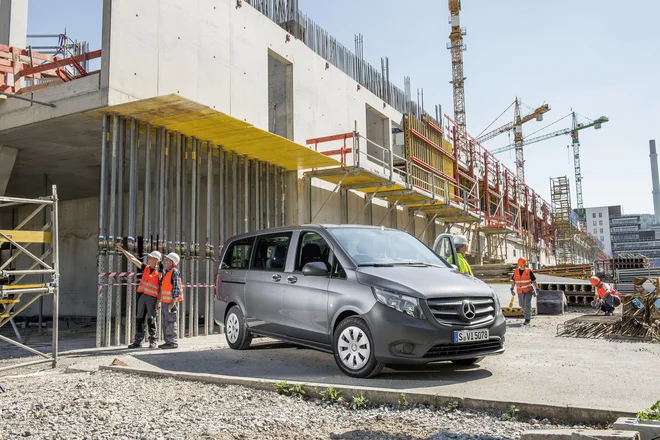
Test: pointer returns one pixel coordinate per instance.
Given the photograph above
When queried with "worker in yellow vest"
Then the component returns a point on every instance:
(171, 294)
(145, 312)
(461, 245)
(523, 284)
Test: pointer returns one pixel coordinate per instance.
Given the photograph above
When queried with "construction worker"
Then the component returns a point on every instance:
(171, 295)
(147, 302)
(605, 297)
(461, 244)
(523, 283)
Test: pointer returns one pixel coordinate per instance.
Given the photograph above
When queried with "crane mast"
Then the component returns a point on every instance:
(457, 47)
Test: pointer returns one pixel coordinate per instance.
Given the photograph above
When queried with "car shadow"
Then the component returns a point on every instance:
(283, 361)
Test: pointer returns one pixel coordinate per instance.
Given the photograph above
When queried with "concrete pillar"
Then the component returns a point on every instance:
(7, 159)
(13, 22)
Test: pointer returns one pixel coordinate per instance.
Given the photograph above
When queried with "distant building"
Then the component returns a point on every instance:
(628, 237)
(598, 224)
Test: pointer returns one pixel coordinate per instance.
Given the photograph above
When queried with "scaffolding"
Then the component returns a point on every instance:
(563, 225)
(26, 277)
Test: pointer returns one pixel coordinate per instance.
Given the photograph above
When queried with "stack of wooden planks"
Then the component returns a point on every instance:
(577, 271)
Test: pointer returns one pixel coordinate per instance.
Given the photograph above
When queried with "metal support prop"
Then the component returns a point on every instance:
(193, 223)
(246, 193)
(146, 220)
(268, 194)
(412, 217)
(119, 235)
(257, 195)
(389, 211)
(283, 197)
(327, 200)
(369, 198)
(198, 234)
(132, 222)
(111, 229)
(234, 193)
(208, 323)
(276, 190)
(185, 248)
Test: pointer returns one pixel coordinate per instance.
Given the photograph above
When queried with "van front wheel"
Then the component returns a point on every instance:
(236, 332)
(353, 348)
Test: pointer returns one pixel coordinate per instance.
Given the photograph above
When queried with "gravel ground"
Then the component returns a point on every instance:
(53, 404)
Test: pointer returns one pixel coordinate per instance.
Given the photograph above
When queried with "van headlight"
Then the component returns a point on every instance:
(402, 303)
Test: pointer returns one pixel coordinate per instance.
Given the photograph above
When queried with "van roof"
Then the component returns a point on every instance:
(305, 226)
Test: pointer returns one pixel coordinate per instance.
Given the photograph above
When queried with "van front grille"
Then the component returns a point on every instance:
(461, 349)
(450, 310)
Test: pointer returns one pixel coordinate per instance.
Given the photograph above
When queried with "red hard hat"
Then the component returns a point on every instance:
(594, 281)
(522, 262)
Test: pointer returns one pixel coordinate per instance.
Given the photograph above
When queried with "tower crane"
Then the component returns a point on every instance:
(575, 141)
(516, 126)
(457, 47)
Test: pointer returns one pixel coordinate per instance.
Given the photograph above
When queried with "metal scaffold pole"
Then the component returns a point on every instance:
(197, 234)
(119, 235)
(111, 228)
(193, 223)
(102, 240)
(132, 222)
(208, 324)
(184, 233)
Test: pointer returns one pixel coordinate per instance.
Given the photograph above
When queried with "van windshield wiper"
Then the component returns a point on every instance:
(376, 265)
(419, 264)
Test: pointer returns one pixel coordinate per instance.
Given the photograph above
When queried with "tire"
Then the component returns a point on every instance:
(353, 349)
(236, 332)
(467, 362)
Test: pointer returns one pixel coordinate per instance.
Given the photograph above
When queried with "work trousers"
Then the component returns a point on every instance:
(170, 321)
(525, 301)
(145, 314)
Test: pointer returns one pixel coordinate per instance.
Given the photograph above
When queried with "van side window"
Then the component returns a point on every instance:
(238, 254)
(311, 247)
(444, 249)
(271, 251)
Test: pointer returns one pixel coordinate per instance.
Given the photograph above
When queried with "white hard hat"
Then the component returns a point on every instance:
(460, 240)
(174, 257)
(157, 255)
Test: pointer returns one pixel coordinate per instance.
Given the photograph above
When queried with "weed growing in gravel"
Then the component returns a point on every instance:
(652, 413)
(283, 388)
(512, 413)
(452, 406)
(297, 390)
(403, 402)
(360, 401)
(331, 394)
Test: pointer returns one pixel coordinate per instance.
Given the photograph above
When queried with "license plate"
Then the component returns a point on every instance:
(470, 336)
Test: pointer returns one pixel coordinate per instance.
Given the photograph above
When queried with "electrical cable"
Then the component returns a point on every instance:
(482, 132)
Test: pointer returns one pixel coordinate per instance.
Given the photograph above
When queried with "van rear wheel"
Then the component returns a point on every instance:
(467, 362)
(236, 332)
(353, 349)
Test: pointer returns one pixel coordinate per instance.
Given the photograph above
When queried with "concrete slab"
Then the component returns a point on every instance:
(578, 434)
(648, 430)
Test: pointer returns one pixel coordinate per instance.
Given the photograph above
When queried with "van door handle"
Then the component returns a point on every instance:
(291, 279)
(277, 277)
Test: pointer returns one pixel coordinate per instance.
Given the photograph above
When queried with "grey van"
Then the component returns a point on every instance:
(371, 296)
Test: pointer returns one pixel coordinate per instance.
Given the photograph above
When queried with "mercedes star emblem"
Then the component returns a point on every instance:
(468, 310)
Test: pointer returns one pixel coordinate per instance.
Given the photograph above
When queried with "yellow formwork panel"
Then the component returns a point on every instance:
(9, 301)
(192, 119)
(26, 236)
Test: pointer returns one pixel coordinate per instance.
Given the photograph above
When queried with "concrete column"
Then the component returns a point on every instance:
(7, 159)
(13, 22)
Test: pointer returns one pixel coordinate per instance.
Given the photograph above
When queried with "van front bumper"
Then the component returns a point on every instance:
(402, 339)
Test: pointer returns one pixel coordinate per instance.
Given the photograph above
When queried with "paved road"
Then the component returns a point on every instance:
(538, 368)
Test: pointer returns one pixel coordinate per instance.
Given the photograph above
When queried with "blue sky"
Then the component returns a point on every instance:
(595, 56)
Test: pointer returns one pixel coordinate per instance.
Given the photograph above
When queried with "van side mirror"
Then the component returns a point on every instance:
(454, 266)
(315, 269)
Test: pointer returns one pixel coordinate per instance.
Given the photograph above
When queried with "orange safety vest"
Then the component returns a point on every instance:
(524, 281)
(149, 282)
(602, 291)
(166, 289)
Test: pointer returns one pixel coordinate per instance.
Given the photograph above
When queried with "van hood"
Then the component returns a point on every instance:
(423, 281)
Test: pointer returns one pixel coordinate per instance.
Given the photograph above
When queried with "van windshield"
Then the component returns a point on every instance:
(386, 247)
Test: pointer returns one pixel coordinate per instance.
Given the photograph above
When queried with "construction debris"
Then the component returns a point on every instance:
(494, 273)
(576, 271)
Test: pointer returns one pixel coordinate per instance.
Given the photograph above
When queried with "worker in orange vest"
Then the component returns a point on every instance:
(606, 298)
(523, 283)
(171, 295)
(145, 312)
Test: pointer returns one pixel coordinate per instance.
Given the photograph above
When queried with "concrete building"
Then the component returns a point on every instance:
(629, 238)
(216, 117)
(598, 224)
